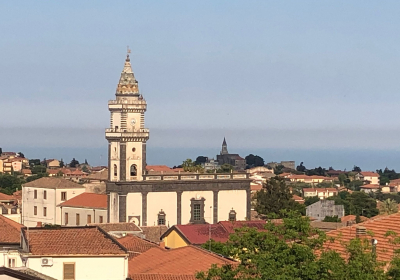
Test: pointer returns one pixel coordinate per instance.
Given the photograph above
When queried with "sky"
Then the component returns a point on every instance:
(288, 80)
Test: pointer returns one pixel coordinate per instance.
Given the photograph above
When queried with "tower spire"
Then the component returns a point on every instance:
(128, 85)
(224, 148)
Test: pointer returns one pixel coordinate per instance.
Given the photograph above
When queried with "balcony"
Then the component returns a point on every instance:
(129, 102)
(112, 133)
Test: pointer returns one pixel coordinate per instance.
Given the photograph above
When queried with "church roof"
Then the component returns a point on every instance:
(224, 143)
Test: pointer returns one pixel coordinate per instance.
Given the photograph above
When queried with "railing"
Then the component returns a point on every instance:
(118, 130)
(132, 102)
(193, 177)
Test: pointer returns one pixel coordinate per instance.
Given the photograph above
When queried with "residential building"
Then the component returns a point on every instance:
(21, 274)
(322, 193)
(373, 229)
(84, 209)
(368, 177)
(181, 263)
(211, 164)
(51, 163)
(83, 253)
(323, 208)
(40, 199)
(291, 164)
(198, 234)
(370, 188)
(26, 172)
(235, 160)
(10, 237)
(310, 179)
(160, 199)
(158, 169)
(96, 181)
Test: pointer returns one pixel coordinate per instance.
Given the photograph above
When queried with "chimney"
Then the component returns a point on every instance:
(361, 231)
(39, 224)
(162, 245)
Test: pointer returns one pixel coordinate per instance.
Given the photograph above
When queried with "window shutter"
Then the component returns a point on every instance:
(69, 271)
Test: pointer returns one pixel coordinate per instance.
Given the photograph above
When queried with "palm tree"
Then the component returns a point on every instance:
(388, 206)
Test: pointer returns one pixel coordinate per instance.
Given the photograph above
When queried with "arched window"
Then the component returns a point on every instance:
(133, 170)
(115, 170)
(161, 218)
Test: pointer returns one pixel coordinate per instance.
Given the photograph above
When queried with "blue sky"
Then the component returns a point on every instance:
(267, 74)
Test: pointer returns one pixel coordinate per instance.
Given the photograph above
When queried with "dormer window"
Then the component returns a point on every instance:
(232, 215)
(197, 210)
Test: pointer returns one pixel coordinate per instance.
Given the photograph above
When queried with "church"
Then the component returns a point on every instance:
(162, 199)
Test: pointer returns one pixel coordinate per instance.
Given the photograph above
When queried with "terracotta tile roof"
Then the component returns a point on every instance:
(26, 171)
(136, 245)
(87, 200)
(18, 195)
(162, 277)
(256, 187)
(326, 226)
(122, 227)
(53, 183)
(101, 175)
(370, 186)
(198, 234)
(298, 199)
(181, 261)
(153, 233)
(53, 171)
(158, 168)
(305, 177)
(378, 226)
(6, 197)
(10, 231)
(352, 218)
(65, 241)
(369, 174)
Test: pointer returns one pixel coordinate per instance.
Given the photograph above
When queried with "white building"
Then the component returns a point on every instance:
(40, 200)
(69, 253)
(160, 199)
(84, 209)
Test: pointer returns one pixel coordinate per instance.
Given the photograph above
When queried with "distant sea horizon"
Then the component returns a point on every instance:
(366, 159)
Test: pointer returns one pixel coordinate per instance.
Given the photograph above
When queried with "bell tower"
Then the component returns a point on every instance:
(127, 136)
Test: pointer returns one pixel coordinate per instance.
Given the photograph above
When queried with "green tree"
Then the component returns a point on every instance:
(389, 206)
(311, 200)
(301, 167)
(332, 219)
(254, 160)
(73, 163)
(9, 183)
(201, 160)
(359, 203)
(274, 197)
(285, 251)
(225, 168)
(356, 169)
(62, 164)
(190, 166)
(342, 179)
(85, 169)
(38, 169)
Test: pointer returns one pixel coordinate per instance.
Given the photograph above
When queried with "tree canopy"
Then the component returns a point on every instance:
(356, 203)
(73, 163)
(301, 167)
(201, 159)
(285, 251)
(254, 160)
(274, 197)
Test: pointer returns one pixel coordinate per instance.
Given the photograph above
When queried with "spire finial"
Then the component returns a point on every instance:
(128, 51)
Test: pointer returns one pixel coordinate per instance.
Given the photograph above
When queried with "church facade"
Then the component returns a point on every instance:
(165, 199)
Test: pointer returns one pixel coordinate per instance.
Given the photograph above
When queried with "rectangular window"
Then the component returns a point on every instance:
(66, 218)
(100, 219)
(69, 271)
(35, 210)
(44, 194)
(89, 219)
(44, 211)
(77, 219)
(11, 262)
(35, 194)
(196, 212)
(63, 196)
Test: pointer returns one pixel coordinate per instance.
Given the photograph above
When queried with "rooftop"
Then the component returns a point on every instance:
(10, 231)
(121, 227)
(370, 186)
(379, 226)
(181, 261)
(369, 174)
(53, 183)
(6, 197)
(66, 241)
(136, 245)
(87, 200)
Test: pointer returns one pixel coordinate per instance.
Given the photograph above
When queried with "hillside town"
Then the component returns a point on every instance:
(201, 219)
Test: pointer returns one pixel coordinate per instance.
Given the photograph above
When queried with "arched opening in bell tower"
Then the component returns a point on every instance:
(133, 170)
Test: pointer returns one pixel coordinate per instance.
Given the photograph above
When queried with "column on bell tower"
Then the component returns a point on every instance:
(127, 136)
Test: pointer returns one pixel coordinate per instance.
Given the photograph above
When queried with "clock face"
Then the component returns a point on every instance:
(133, 122)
